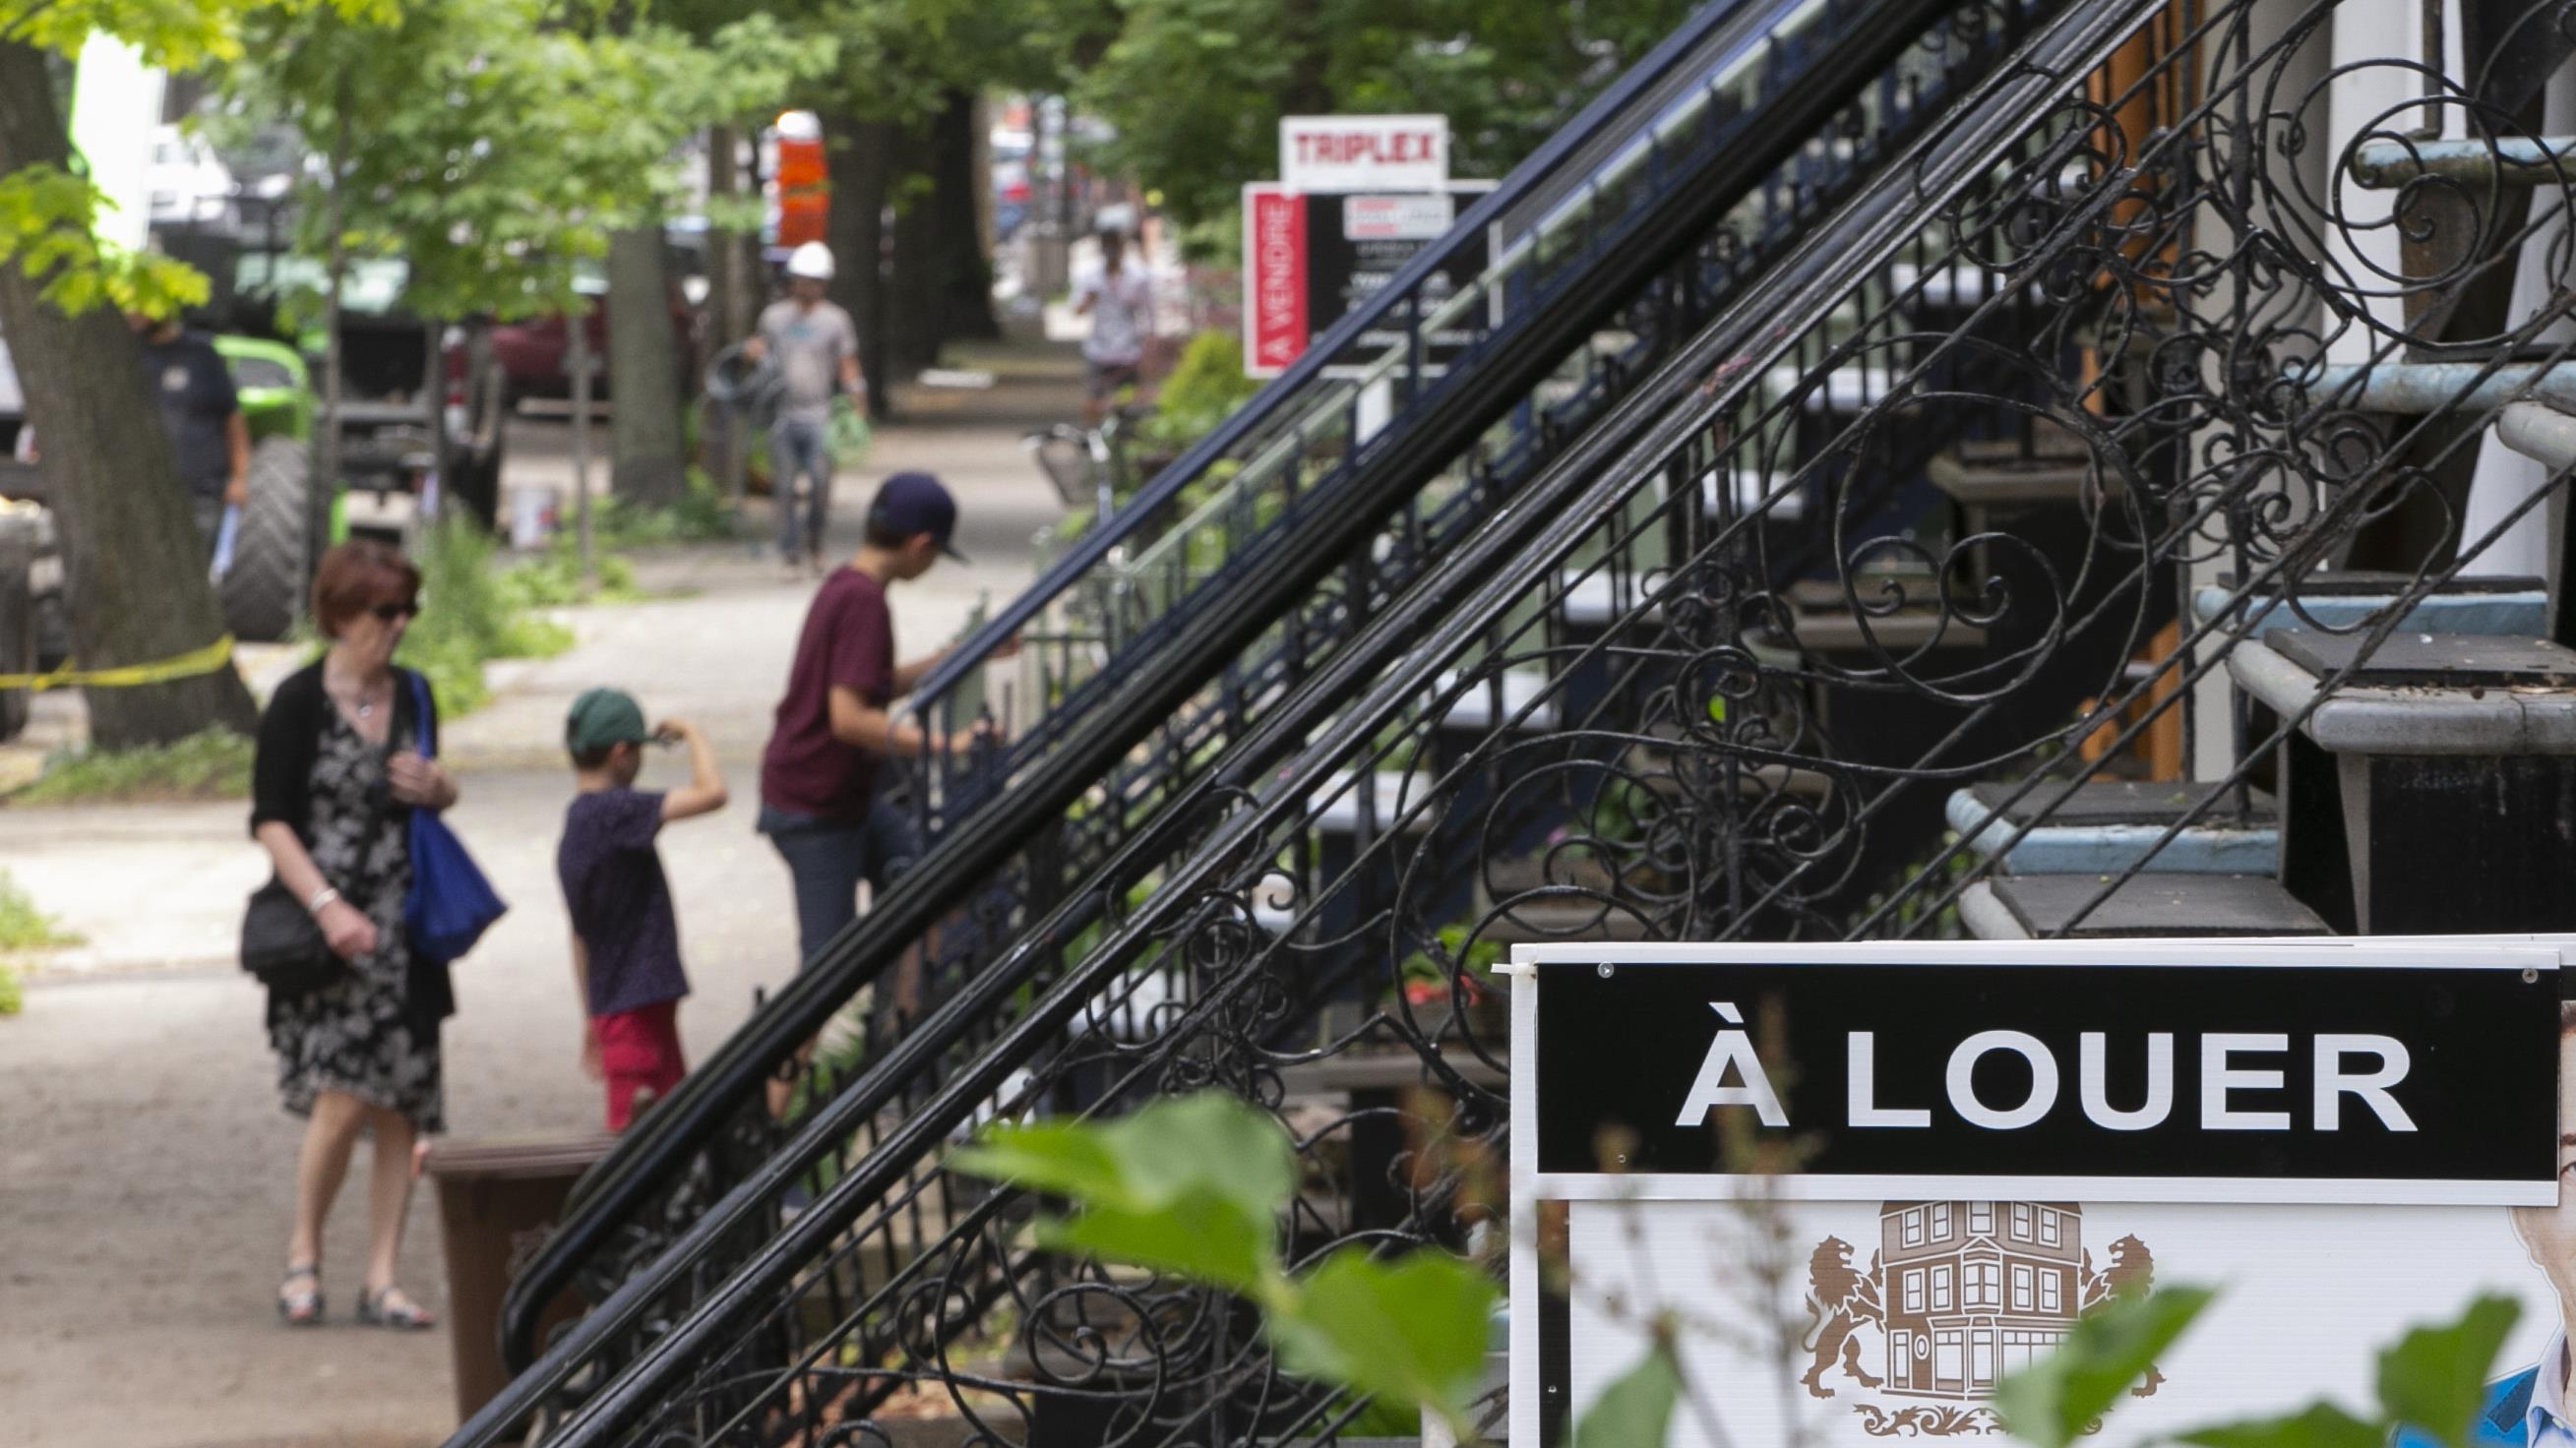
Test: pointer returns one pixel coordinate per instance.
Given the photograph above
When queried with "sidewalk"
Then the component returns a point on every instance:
(145, 1177)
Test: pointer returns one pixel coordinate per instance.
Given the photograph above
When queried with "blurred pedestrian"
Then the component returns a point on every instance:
(209, 436)
(625, 938)
(817, 348)
(336, 774)
(1119, 300)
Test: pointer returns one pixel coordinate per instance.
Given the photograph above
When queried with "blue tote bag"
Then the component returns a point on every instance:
(451, 904)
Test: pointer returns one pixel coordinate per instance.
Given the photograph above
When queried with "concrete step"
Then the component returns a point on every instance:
(2106, 826)
(2498, 606)
(2027, 907)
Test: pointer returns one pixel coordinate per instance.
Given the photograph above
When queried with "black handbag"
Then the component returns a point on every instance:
(282, 944)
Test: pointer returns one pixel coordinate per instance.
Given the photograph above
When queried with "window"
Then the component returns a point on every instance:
(1983, 1282)
(2047, 1227)
(1914, 1290)
(2021, 1221)
(2020, 1348)
(2021, 1287)
(2052, 1291)
(1941, 1221)
(1914, 1227)
(1941, 1288)
(1981, 1219)
(1946, 1357)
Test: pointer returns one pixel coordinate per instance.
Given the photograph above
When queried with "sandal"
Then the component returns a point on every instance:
(392, 1307)
(301, 1309)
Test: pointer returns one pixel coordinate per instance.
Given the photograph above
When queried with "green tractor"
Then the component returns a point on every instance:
(274, 552)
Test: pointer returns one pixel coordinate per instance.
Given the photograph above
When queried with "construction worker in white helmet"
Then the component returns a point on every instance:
(817, 349)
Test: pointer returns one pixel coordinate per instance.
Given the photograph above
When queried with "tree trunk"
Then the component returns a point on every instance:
(323, 486)
(963, 245)
(856, 156)
(728, 262)
(729, 305)
(913, 294)
(136, 568)
(647, 465)
(1308, 91)
(577, 356)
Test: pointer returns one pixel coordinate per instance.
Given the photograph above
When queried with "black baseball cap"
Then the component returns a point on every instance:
(915, 503)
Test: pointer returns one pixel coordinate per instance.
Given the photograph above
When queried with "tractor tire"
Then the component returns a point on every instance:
(17, 626)
(273, 552)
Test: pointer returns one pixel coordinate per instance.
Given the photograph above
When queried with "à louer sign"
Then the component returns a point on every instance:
(1987, 1143)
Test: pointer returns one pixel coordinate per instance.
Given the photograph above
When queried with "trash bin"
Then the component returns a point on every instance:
(532, 516)
(498, 1201)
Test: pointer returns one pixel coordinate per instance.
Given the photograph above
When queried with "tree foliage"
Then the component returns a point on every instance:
(498, 142)
(49, 212)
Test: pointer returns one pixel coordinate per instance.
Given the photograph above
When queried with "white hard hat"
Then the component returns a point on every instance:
(812, 260)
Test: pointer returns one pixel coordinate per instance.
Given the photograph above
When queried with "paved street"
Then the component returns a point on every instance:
(145, 1168)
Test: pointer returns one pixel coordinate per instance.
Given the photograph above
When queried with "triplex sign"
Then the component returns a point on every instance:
(1364, 153)
(1990, 1142)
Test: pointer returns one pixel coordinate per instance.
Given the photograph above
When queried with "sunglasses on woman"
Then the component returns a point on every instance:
(408, 608)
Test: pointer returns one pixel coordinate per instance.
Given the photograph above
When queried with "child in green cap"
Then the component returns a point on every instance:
(625, 940)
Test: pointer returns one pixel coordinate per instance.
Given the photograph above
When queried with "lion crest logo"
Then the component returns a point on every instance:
(1957, 1296)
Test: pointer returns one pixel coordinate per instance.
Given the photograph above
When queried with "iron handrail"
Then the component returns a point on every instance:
(1358, 693)
(1206, 639)
(1204, 642)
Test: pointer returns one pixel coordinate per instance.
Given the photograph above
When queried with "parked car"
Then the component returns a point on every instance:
(534, 356)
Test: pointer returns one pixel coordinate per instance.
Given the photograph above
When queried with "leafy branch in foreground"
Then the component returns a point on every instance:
(2432, 1384)
(2063, 1396)
(1194, 1187)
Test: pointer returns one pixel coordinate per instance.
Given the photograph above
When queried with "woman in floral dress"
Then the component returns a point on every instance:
(336, 777)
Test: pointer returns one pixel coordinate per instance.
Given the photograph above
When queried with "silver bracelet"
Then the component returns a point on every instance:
(321, 897)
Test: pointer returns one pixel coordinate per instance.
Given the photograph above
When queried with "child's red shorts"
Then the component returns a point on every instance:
(639, 1050)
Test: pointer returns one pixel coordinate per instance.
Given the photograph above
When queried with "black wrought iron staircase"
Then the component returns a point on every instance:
(1721, 149)
(1634, 699)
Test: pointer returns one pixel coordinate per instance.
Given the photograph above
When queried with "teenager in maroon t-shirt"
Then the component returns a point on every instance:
(819, 802)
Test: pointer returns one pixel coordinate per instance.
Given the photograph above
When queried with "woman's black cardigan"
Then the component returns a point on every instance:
(281, 784)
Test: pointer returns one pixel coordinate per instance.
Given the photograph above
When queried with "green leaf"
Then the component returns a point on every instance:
(2435, 1378)
(1065, 1159)
(1413, 1330)
(1202, 1236)
(2056, 1399)
(2320, 1425)
(1211, 1142)
(1193, 1185)
(1637, 1407)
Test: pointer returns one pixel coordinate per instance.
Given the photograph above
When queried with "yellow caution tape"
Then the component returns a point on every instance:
(126, 676)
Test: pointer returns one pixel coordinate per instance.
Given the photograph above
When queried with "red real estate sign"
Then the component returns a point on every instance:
(1274, 279)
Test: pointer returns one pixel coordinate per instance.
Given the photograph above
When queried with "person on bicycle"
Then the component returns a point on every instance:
(817, 348)
(1119, 300)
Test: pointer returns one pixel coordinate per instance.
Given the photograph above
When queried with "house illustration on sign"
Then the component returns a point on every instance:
(1975, 1291)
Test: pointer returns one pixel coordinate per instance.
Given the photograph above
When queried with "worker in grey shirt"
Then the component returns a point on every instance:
(817, 349)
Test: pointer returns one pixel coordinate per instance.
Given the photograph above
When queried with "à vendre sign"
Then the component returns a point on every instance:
(1991, 1142)
(1309, 260)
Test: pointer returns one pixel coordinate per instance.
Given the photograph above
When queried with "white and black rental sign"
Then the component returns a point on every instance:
(1989, 1144)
